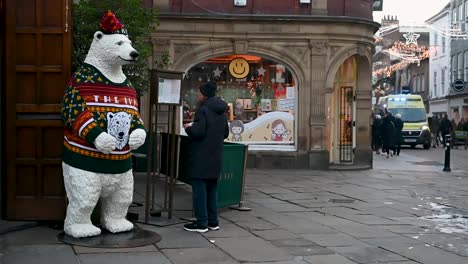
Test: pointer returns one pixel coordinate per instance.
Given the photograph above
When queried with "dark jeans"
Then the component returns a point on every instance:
(397, 150)
(204, 201)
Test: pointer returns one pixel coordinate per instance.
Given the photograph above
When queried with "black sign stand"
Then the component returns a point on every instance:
(152, 169)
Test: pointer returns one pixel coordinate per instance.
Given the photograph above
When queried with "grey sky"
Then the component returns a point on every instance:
(408, 11)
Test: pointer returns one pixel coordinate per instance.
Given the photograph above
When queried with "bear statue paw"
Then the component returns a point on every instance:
(117, 225)
(82, 230)
(105, 143)
(137, 138)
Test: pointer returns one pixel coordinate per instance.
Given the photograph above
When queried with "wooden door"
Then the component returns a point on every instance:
(37, 67)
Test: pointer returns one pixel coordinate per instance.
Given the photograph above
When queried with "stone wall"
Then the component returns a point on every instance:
(312, 48)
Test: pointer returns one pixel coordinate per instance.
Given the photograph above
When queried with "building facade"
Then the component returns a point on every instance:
(439, 64)
(458, 98)
(305, 99)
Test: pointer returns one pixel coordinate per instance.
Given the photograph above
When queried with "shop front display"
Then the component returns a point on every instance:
(260, 93)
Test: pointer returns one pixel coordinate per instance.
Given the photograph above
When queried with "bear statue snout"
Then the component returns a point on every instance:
(134, 55)
(121, 134)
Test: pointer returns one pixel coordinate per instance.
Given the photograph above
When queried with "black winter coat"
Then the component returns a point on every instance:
(207, 133)
(445, 126)
(389, 132)
(398, 131)
(377, 132)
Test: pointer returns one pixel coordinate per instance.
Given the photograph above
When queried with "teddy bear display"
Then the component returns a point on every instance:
(102, 127)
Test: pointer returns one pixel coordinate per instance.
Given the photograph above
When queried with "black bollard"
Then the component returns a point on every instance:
(448, 141)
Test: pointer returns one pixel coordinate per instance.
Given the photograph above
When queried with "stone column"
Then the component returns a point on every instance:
(363, 151)
(317, 121)
(319, 7)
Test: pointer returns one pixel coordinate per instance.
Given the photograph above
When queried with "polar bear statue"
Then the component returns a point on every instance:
(102, 126)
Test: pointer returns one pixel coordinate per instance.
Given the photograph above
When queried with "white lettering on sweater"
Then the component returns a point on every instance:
(117, 100)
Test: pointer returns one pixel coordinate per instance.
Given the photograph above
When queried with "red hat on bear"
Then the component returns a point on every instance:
(111, 25)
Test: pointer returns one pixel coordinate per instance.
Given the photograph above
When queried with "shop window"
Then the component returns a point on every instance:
(260, 94)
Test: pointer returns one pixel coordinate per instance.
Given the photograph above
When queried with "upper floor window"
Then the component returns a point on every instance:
(435, 84)
(454, 68)
(460, 13)
(442, 82)
(466, 9)
(444, 43)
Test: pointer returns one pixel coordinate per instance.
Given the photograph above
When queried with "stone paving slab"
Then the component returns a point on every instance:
(308, 251)
(285, 207)
(122, 258)
(31, 236)
(40, 254)
(329, 259)
(423, 253)
(275, 234)
(257, 225)
(447, 242)
(368, 254)
(363, 231)
(90, 250)
(293, 242)
(179, 238)
(198, 255)
(10, 226)
(252, 249)
(228, 231)
(334, 240)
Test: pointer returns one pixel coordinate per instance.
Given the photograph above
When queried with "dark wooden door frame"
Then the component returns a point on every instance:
(2, 86)
(35, 115)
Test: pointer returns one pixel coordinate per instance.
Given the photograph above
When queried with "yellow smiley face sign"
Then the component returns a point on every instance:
(239, 68)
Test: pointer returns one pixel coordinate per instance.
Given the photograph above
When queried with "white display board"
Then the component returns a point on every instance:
(169, 91)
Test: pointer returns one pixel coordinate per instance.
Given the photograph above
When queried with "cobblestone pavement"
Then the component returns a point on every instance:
(393, 214)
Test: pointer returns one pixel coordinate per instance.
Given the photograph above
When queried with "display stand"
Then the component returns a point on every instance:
(165, 91)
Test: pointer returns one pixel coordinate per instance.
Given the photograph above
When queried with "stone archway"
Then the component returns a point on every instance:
(190, 55)
(361, 133)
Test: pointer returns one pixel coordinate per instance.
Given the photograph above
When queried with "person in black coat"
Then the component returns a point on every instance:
(399, 124)
(388, 134)
(377, 133)
(445, 127)
(207, 134)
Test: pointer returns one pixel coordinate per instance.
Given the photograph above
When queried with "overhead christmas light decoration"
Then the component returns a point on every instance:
(453, 31)
(411, 38)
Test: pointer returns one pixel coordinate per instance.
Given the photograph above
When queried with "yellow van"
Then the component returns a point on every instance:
(413, 113)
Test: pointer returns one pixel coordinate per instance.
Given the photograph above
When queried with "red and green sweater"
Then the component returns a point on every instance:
(92, 104)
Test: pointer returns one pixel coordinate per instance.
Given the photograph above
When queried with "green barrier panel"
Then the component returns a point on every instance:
(232, 174)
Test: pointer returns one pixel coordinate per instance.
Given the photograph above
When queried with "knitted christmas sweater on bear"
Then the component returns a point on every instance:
(92, 104)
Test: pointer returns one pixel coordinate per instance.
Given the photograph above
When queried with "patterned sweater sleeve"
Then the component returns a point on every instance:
(76, 116)
(137, 123)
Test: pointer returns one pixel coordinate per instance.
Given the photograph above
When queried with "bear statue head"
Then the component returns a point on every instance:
(113, 49)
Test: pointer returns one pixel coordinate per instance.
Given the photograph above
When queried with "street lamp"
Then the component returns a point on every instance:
(377, 5)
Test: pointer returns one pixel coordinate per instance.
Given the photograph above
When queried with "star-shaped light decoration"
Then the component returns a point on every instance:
(217, 72)
(261, 71)
(411, 38)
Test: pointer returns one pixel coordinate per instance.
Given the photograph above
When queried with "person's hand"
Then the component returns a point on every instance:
(186, 125)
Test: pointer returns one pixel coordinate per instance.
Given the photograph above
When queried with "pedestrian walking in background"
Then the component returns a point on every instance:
(453, 125)
(445, 127)
(207, 133)
(465, 129)
(377, 133)
(399, 124)
(388, 134)
(434, 126)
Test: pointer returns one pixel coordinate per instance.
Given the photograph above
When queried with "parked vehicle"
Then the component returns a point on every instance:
(413, 113)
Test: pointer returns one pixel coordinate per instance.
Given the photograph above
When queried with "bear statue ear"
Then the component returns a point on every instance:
(98, 35)
(110, 116)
